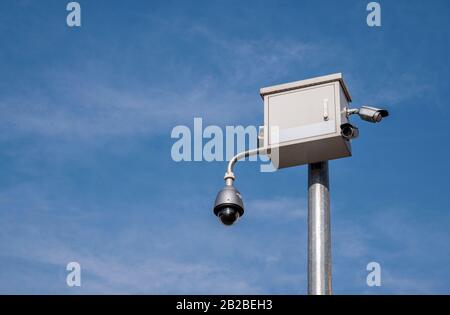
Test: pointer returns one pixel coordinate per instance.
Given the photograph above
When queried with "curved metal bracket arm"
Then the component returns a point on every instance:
(229, 176)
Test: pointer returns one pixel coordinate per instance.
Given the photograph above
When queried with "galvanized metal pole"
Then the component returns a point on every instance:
(319, 230)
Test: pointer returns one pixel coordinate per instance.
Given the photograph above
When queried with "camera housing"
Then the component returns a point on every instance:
(349, 131)
(372, 114)
(228, 206)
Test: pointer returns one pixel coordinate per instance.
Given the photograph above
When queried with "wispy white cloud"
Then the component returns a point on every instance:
(198, 256)
(253, 61)
(113, 271)
(189, 256)
(86, 100)
(278, 208)
(395, 238)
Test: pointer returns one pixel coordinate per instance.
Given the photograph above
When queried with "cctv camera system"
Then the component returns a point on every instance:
(304, 121)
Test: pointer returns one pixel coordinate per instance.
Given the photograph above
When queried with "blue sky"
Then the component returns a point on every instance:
(86, 173)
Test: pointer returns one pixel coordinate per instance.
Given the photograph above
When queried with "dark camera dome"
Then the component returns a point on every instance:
(228, 215)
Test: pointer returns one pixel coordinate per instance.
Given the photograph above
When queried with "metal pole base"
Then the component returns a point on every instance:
(319, 234)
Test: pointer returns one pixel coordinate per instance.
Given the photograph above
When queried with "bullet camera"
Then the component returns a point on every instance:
(372, 114)
(348, 131)
(228, 206)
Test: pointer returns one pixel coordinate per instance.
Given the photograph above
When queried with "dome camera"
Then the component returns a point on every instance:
(228, 206)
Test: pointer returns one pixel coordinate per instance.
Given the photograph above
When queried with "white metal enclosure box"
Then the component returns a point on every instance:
(302, 120)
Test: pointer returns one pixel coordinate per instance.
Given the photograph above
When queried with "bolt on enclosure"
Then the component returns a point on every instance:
(302, 121)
